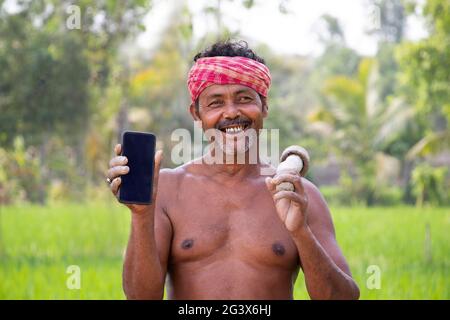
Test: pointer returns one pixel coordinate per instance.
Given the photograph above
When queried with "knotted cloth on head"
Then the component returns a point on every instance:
(228, 70)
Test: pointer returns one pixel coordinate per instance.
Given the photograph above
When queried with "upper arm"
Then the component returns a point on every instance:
(163, 225)
(321, 225)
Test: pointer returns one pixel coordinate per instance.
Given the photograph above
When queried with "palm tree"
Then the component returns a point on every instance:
(360, 123)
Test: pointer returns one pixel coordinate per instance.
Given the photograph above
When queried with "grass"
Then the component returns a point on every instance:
(394, 239)
(38, 244)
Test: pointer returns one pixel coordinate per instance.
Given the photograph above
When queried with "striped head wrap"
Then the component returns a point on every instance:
(228, 70)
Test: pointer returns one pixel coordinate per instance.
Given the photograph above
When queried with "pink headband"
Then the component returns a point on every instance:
(228, 70)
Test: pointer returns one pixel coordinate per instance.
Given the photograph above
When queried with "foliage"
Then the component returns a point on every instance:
(20, 174)
(429, 185)
(70, 93)
(425, 77)
(340, 196)
(362, 126)
(53, 79)
(390, 20)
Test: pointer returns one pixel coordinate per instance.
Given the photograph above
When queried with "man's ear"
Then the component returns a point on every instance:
(194, 112)
(265, 107)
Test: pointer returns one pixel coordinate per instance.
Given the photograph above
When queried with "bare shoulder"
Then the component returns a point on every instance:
(313, 192)
(169, 178)
(319, 216)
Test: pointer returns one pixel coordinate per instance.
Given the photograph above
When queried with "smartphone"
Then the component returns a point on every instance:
(137, 184)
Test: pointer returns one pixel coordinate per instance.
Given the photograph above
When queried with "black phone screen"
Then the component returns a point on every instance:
(136, 186)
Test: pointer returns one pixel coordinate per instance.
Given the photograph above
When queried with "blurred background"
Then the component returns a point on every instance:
(364, 85)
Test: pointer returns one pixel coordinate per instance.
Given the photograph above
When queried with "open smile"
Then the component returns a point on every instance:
(235, 128)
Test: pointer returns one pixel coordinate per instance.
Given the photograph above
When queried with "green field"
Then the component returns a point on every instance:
(37, 244)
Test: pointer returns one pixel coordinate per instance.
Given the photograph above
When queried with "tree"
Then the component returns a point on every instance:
(215, 9)
(48, 70)
(53, 76)
(360, 124)
(388, 25)
(425, 78)
(388, 20)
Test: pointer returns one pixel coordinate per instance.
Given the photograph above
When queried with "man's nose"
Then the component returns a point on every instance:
(231, 110)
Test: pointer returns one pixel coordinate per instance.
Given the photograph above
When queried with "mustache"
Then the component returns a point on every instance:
(243, 120)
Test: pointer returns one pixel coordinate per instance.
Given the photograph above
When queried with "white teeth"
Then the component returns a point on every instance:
(234, 129)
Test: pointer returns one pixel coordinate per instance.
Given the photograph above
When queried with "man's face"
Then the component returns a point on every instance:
(235, 110)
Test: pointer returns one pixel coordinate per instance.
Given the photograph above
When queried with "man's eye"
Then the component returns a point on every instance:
(244, 99)
(215, 103)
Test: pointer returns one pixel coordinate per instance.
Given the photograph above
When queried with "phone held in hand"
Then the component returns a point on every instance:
(137, 185)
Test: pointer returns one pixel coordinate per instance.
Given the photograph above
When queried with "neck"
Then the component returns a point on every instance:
(236, 165)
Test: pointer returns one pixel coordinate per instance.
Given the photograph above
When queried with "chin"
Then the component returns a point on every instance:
(236, 144)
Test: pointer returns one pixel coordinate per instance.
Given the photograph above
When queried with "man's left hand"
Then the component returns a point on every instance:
(291, 205)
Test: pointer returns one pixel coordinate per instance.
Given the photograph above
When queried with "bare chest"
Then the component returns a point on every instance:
(212, 223)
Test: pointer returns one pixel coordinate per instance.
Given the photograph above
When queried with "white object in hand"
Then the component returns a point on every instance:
(294, 160)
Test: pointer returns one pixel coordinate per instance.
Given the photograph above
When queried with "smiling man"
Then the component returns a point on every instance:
(216, 230)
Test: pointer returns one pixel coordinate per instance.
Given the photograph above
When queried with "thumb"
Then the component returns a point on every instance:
(270, 186)
(158, 160)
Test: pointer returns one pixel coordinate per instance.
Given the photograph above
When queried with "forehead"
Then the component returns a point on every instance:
(225, 89)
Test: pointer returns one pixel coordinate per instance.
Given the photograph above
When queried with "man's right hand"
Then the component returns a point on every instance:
(118, 167)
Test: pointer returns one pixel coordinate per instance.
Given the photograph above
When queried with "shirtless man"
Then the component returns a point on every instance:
(219, 231)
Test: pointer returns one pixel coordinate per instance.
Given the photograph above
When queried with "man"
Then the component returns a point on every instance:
(220, 230)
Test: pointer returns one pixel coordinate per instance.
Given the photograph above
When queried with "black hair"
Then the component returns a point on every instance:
(228, 48)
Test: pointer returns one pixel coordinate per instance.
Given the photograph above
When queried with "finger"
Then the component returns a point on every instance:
(282, 206)
(158, 160)
(114, 172)
(118, 149)
(293, 219)
(285, 177)
(299, 185)
(115, 185)
(118, 161)
(295, 179)
(270, 186)
(290, 195)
